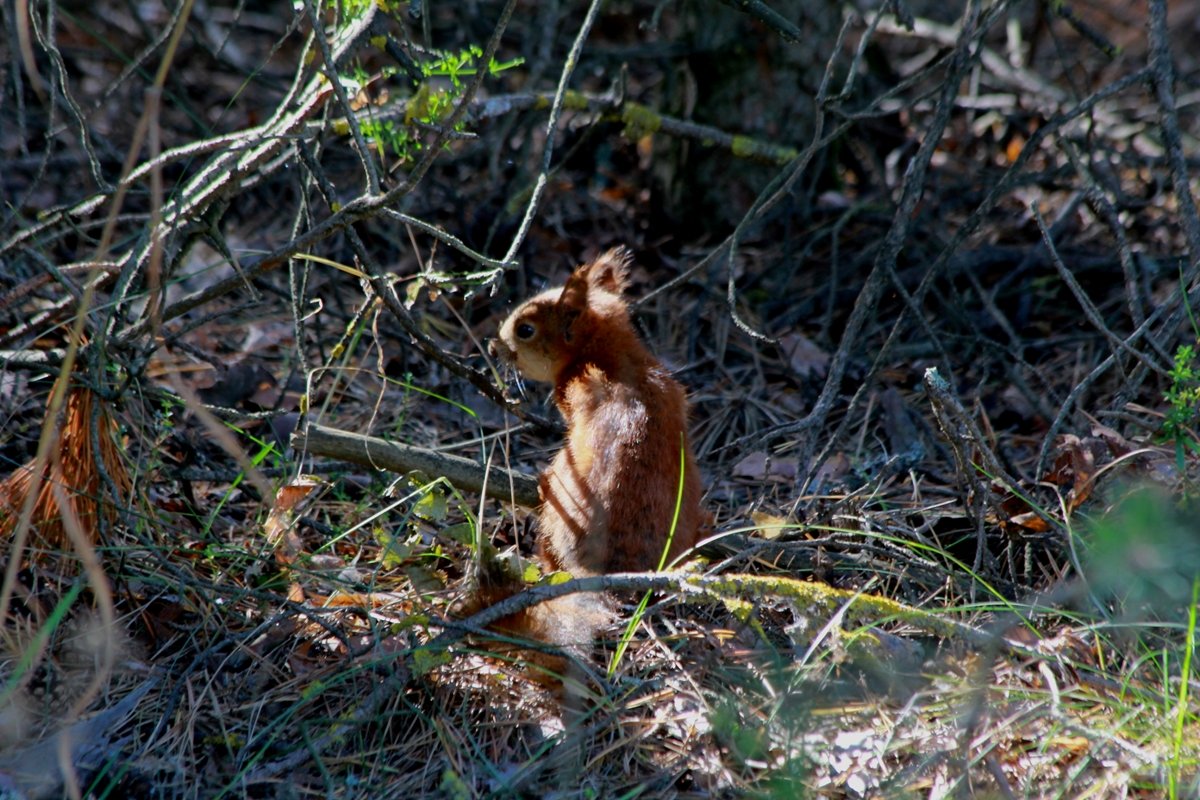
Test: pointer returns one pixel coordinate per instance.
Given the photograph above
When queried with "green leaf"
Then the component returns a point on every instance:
(394, 552)
(424, 580)
(462, 532)
(432, 506)
(424, 661)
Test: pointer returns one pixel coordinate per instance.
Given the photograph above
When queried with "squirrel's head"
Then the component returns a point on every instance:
(545, 332)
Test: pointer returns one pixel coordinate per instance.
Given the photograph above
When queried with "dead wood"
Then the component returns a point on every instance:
(492, 480)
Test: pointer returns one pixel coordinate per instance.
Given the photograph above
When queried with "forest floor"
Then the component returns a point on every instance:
(930, 280)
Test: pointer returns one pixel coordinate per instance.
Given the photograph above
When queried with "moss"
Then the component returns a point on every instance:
(745, 147)
(639, 120)
(425, 661)
(823, 597)
(574, 101)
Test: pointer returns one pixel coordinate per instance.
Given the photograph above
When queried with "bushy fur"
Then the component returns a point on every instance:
(609, 496)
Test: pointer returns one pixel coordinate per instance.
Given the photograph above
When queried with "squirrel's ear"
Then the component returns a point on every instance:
(573, 300)
(607, 272)
(610, 270)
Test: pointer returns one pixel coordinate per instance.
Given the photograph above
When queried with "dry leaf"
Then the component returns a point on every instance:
(770, 526)
(833, 470)
(804, 357)
(1030, 521)
(760, 466)
(280, 527)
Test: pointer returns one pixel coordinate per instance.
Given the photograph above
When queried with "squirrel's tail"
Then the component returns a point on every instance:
(568, 624)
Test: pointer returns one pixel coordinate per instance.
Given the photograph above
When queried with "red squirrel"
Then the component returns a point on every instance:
(609, 498)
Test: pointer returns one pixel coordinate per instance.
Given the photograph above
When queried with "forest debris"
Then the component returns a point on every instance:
(1076, 467)
(761, 466)
(770, 526)
(806, 358)
(75, 467)
(280, 527)
(502, 484)
(36, 771)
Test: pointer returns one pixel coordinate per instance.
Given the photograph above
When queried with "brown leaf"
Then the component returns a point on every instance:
(804, 356)
(280, 527)
(1013, 149)
(760, 466)
(833, 470)
(1013, 510)
(1117, 444)
(1077, 465)
(1030, 521)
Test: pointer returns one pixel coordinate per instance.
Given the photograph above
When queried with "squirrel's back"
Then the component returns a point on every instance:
(615, 497)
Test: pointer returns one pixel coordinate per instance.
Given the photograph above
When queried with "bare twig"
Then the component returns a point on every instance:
(962, 431)
(1173, 312)
(1162, 75)
(46, 40)
(969, 227)
(551, 126)
(762, 12)
(1103, 207)
(816, 594)
(449, 239)
(885, 260)
(330, 65)
(1089, 309)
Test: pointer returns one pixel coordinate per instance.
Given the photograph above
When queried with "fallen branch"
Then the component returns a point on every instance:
(745, 592)
(502, 484)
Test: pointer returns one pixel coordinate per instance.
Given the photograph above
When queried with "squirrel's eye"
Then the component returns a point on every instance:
(525, 331)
